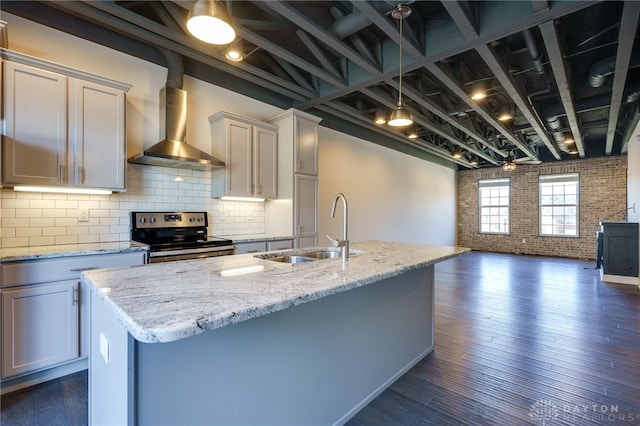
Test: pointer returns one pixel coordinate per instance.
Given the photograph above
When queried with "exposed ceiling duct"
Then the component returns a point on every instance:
(599, 71)
(534, 51)
(173, 150)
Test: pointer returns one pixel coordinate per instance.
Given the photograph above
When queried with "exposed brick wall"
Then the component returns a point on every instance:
(603, 195)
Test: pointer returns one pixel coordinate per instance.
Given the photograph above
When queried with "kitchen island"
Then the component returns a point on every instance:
(247, 340)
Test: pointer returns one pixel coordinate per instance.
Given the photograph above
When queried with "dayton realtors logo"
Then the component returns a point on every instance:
(544, 412)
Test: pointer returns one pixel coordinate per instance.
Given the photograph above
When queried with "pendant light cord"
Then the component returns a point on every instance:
(400, 75)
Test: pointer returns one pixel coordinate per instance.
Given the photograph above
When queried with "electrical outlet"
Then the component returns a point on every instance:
(83, 215)
(221, 215)
(524, 241)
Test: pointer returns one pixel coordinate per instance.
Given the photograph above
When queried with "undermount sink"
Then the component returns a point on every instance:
(307, 256)
(321, 254)
(290, 259)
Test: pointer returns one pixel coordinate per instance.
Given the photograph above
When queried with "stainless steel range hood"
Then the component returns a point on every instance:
(173, 150)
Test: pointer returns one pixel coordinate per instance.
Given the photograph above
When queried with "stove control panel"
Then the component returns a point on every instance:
(146, 220)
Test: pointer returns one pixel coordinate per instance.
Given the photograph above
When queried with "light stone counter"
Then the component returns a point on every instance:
(171, 301)
(15, 254)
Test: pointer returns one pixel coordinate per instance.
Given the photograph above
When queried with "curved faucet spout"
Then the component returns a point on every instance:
(344, 244)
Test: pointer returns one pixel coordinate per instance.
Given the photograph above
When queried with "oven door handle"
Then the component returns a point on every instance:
(190, 251)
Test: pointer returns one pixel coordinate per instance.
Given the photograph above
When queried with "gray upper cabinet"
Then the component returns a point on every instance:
(249, 149)
(35, 142)
(306, 145)
(97, 125)
(62, 127)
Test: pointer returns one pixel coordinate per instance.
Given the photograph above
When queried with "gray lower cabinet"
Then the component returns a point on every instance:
(259, 246)
(45, 312)
(39, 326)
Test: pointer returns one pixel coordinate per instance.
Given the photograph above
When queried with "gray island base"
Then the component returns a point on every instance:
(315, 358)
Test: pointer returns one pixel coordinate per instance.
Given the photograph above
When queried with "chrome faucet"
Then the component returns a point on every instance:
(344, 243)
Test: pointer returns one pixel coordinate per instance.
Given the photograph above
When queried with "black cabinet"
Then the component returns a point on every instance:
(620, 248)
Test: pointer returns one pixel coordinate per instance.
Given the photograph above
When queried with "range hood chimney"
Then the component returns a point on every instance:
(173, 150)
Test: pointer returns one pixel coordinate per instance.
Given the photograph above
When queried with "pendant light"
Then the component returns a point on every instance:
(209, 21)
(400, 116)
(509, 163)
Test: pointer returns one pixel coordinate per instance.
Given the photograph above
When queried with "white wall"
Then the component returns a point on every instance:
(633, 176)
(392, 196)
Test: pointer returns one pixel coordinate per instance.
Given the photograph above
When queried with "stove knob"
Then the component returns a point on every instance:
(152, 219)
(143, 220)
(192, 219)
(200, 219)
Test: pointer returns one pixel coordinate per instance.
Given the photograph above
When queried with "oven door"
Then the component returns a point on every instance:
(186, 254)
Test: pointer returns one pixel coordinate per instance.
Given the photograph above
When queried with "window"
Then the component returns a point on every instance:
(559, 205)
(494, 206)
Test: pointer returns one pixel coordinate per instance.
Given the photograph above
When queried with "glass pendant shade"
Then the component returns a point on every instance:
(400, 117)
(457, 153)
(509, 163)
(208, 21)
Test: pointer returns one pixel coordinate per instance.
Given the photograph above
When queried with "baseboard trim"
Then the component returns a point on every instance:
(16, 383)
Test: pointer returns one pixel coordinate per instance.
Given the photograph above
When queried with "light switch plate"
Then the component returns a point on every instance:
(104, 348)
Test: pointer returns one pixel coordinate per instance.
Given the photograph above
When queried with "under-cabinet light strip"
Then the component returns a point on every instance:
(62, 190)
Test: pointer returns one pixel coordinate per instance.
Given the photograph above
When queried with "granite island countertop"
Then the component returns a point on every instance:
(17, 254)
(170, 301)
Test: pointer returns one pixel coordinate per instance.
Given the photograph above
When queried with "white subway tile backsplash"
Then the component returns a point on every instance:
(30, 219)
(44, 241)
(65, 239)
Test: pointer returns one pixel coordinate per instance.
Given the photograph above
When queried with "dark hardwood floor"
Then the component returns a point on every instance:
(59, 402)
(519, 340)
(522, 339)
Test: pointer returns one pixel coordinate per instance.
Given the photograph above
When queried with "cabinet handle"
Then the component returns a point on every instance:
(258, 189)
(61, 173)
(76, 290)
(84, 269)
(81, 174)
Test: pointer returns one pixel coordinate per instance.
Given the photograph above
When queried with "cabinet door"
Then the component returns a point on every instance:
(238, 158)
(255, 247)
(306, 146)
(39, 327)
(265, 162)
(306, 206)
(279, 245)
(35, 143)
(97, 135)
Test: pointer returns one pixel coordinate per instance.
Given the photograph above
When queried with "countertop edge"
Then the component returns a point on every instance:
(21, 254)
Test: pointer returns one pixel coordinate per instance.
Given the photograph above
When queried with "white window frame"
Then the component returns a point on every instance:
(559, 183)
(494, 206)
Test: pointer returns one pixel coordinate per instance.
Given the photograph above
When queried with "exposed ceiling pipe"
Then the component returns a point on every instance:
(600, 70)
(593, 102)
(534, 52)
(555, 125)
(349, 25)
